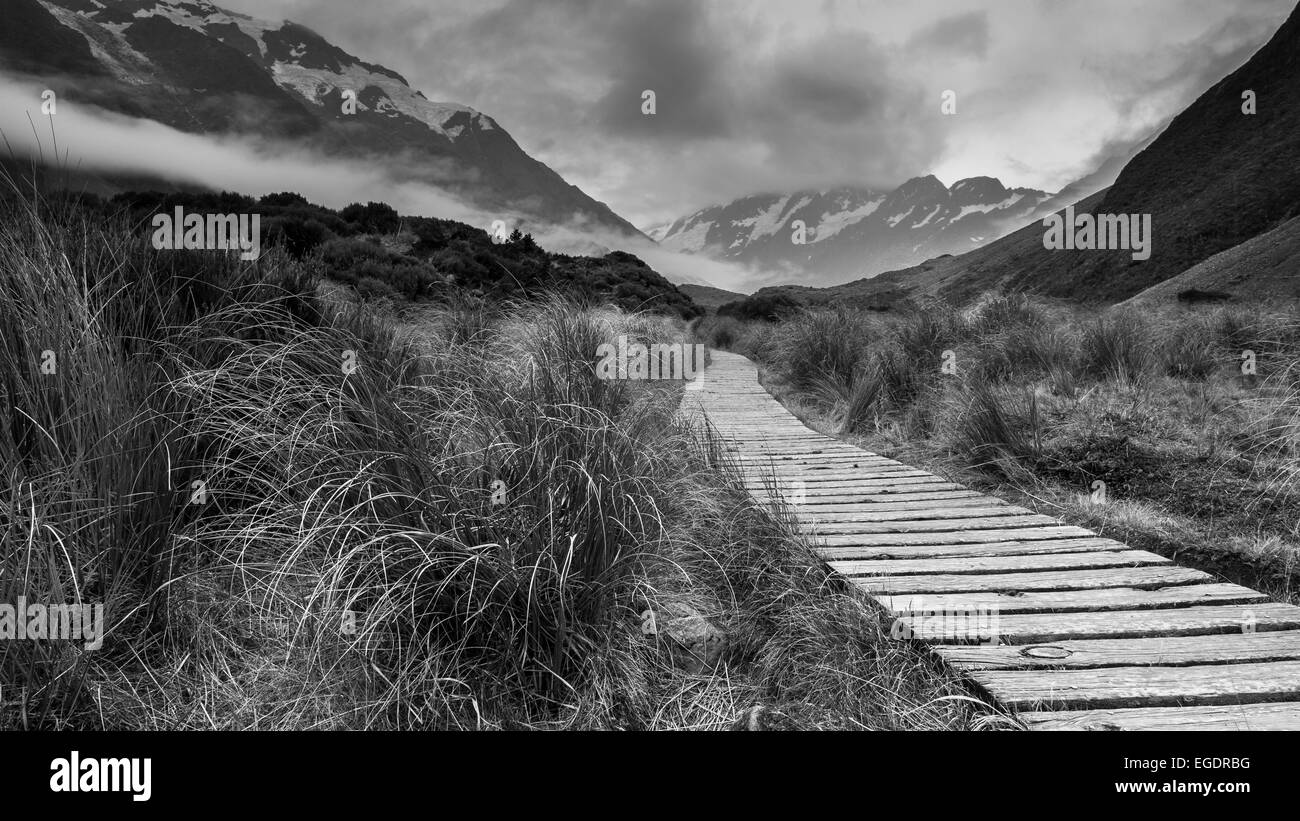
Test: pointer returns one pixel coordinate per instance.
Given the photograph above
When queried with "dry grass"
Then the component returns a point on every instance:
(1197, 454)
(461, 531)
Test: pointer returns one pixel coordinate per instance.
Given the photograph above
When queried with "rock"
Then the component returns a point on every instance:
(695, 644)
(793, 716)
(761, 718)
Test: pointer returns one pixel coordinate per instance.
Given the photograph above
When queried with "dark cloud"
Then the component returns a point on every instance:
(668, 47)
(841, 78)
(958, 36)
(757, 95)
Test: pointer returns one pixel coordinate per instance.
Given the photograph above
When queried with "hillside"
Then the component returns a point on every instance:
(707, 296)
(1214, 178)
(382, 254)
(1268, 264)
(203, 70)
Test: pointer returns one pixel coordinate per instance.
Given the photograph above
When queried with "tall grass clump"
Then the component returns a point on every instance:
(212, 452)
(1191, 350)
(999, 312)
(990, 434)
(1014, 339)
(92, 449)
(818, 345)
(1118, 347)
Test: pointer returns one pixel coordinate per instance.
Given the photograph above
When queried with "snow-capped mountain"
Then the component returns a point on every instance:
(202, 69)
(832, 236)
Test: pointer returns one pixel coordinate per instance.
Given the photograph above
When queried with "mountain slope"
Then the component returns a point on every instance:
(201, 69)
(851, 232)
(706, 296)
(1268, 264)
(1213, 179)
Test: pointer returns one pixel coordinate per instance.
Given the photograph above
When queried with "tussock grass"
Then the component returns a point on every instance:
(990, 434)
(301, 514)
(1185, 416)
(1117, 347)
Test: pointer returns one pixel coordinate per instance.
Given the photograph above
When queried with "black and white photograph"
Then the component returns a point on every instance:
(651, 368)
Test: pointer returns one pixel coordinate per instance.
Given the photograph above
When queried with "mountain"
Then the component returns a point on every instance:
(1222, 188)
(200, 69)
(853, 232)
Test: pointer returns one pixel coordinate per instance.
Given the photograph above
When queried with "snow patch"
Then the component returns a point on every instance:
(895, 220)
(927, 219)
(691, 239)
(967, 210)
(833, 222)
(766, 222)
(315, 84)
(112, 51)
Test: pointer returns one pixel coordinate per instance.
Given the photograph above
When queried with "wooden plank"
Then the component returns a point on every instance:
(1105, 599)
(1075, 601)
(1267, 716)
(862, 458)
(836, 478)
(1038, 628)
(861, 494)
(885, 494)
(826, 461)
(846, 468)
(1165, 651)
(1030, 521)
(864, 489)
(874, 513)
(924, 494)
(999, 564)
(977, 536)
(814, 466)
(831, 480)
(1068, 579)
(922, 509)
(958, 551)
(1114, 687)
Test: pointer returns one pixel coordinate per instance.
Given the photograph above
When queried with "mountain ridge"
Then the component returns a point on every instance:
(202, 69)
(850, 231)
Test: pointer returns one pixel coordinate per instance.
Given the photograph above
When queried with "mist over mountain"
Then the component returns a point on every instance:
(825, 237)
(202, 70)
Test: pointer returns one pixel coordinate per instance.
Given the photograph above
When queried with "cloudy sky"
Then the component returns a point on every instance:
(762, 95)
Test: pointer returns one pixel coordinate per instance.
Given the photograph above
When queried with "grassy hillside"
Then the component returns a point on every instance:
(708, 297)
(383, 254)
(1267, 264)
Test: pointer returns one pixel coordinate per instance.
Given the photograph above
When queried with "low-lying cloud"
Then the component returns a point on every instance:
(85, 138)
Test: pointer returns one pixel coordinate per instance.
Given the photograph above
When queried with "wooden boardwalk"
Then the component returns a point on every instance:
(1067, 629)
